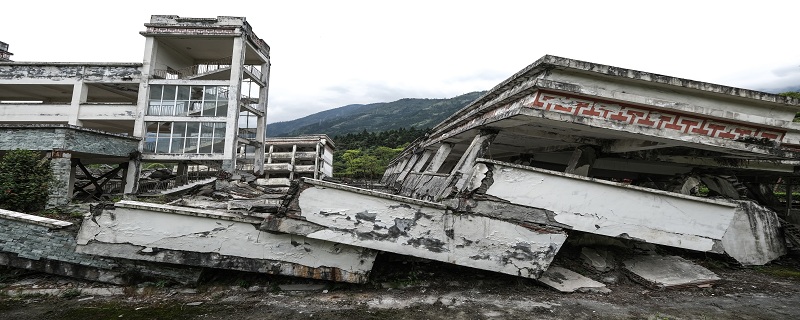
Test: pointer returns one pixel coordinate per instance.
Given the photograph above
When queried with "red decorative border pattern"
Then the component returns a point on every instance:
(658, 119)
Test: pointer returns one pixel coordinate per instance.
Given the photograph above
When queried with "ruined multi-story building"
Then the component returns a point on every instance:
(199, 95)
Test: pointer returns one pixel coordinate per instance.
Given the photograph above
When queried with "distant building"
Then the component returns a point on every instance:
(289, 158)
(198, 96)
(4, 54)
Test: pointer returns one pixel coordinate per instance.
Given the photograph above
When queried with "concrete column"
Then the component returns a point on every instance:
(581, 161)
(234, 96)
(404, 173)
(422, 160)
(79, 95)
(441, 155)
(132, 176)
(182, 174)
(63, 179)
(316, 162)
(460, 174)
(261, 126)
(294, 154)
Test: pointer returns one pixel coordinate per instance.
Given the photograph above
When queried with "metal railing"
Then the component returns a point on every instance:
(151, 187)
(204, 68)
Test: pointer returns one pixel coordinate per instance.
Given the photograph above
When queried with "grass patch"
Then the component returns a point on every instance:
(780, 272)
(118, 310)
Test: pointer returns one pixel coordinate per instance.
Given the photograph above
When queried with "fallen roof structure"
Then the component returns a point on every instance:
(563, 148)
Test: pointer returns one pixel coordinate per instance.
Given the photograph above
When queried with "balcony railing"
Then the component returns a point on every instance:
(203, 68)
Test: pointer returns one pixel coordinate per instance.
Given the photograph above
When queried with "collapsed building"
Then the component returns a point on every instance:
(562, 150)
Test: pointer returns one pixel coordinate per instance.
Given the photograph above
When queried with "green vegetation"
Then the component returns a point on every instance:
(25, 179)
(375, 117)
(780, 271)
(365, 155)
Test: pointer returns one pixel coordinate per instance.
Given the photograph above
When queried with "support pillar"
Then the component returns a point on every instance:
(422, 160)
(132, 176)
(438, 159)
(79, 95)
(460, 174)
(581, 161)
(63, 178)
(182, 176)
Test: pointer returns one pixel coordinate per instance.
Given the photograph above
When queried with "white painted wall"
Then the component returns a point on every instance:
(616, 210)
(367, 220)
(206, 234)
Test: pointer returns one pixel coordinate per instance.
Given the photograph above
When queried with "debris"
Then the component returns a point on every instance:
(598, 260)
(662, 272)
(565, 280)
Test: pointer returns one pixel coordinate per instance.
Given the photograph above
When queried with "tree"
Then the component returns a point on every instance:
(25, 180)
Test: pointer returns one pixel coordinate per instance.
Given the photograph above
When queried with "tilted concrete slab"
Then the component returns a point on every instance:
(754, 236)
(215, 239)
(667, 272)
(609, 208)
(565, 280)
(423, 229)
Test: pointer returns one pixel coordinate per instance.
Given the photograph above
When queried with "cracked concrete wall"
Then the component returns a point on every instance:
(613, 209)
(198, 237)
(426, 230)
(754, 237)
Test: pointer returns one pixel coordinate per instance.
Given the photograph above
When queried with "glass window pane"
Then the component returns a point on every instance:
(208, 108)
(177, 145)
(192, 129)
(183, 92)
(191, 145)
(150, 137)
(179, 129)
(155, 91)
(181, 108)
(210, 93)
(207, 129)
(222, 108)
(169, 93)
(197, 93)
(219, 130)
(162, 145)
(205, 145)
(196, 108)
(219, 145)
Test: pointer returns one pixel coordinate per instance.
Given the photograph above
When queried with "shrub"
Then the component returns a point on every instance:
(25, 179)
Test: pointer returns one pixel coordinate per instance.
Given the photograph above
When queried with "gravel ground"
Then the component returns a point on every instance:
(409, 289)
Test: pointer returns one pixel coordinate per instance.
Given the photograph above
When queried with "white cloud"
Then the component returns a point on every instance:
(326, 54)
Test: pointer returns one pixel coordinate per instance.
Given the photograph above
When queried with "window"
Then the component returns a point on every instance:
(185, 137)
(200, 101)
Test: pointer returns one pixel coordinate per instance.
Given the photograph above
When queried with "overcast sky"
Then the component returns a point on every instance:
(327, 54)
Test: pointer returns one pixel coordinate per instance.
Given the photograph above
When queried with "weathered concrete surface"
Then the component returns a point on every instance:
(609, 208)
(754, 237)
(565, 280)
(427, 230)
(48, 245)
(68, 138)
(598, 260)
(667, 271)
(207, 238)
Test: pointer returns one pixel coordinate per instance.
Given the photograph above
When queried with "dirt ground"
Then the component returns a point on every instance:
(409, 289)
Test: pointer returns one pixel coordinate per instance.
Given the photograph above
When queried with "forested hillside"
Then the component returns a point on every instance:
(375, 117)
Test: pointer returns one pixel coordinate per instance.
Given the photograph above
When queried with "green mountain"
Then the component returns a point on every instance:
(374, 117)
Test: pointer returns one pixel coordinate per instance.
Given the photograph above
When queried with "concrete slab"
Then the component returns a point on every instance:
(197, 237)
(663, 272)
(597, 260)
(609, 208)
(423, 229)
(565, 280)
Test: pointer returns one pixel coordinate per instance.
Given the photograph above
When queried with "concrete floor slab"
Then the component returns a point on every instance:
(667, 271)
(565, 280)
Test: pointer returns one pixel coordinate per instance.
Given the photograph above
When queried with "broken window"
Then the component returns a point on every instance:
(201, 101)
